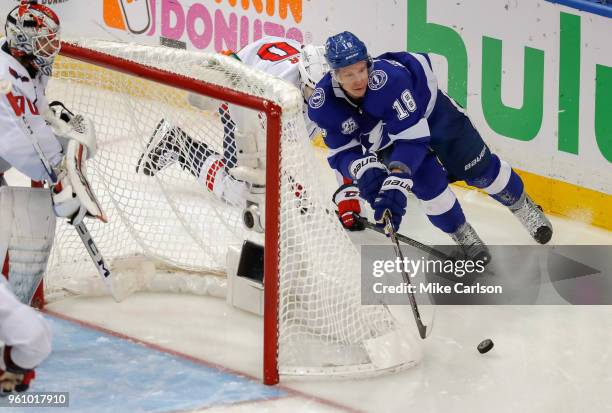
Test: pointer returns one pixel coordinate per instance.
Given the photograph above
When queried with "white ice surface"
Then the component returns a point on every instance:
(546, 358)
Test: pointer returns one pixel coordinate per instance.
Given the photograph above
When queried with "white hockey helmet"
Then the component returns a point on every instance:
(34, 30)
(313, 67)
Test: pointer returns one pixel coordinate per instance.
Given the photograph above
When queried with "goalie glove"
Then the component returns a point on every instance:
(69, 126)
(12, 377)
(346, 199)
(72, 195)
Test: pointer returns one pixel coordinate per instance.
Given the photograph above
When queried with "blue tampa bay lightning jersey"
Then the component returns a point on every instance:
(402, 110)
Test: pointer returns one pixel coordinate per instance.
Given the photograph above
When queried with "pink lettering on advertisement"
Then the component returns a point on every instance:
(226, 31)
(153, 4)
(257, 30)
(172, 8)
(274, 29)
(244, 31)
(198, 11)
(295, 34)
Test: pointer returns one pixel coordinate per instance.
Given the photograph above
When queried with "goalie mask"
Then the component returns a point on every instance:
(313, 67)
(34, 30)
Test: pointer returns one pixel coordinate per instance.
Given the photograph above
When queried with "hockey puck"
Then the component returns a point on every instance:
(485, 345)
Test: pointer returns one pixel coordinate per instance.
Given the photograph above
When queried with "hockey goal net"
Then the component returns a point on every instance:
(163, 207)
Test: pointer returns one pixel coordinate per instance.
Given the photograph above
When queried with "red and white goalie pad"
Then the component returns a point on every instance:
(27, 228)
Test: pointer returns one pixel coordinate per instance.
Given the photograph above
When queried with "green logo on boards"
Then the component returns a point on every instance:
(525, 122)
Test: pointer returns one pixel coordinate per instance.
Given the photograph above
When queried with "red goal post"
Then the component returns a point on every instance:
(273, 114)
(314, 323)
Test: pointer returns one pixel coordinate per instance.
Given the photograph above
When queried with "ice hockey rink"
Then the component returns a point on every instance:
(183, 353)
(163, 352)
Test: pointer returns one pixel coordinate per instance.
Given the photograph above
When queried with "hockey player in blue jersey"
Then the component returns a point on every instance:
(390, 128)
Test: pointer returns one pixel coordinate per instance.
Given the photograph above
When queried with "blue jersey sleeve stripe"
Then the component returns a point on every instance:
(417, 131)
(432, 83)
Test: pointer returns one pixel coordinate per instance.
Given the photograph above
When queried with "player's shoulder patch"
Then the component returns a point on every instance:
(349, 126)
(317, 99)
(377, 79)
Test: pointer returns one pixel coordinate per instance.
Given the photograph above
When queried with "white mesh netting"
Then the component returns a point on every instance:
(171, 212)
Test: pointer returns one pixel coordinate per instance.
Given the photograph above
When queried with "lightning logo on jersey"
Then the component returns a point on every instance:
(317, 99)
(377, 79)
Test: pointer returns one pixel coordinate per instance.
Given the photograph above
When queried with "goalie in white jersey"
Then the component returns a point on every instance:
(44, 142)
(226, 175)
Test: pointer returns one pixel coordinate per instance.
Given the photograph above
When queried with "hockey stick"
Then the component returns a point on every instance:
(5, 88)
(81, 229)
(43, 159)
(406, 240)
(424, 248)
(398, 251)
(96, 257)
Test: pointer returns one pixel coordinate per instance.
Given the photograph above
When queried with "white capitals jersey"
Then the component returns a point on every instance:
(279, 57)
(22, 328)
(276, 56)
(22, 104)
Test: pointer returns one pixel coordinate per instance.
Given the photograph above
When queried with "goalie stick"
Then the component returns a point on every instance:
(423, 331)
(5, 89)
(96, 257)
(43, 159)
(81, 228)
